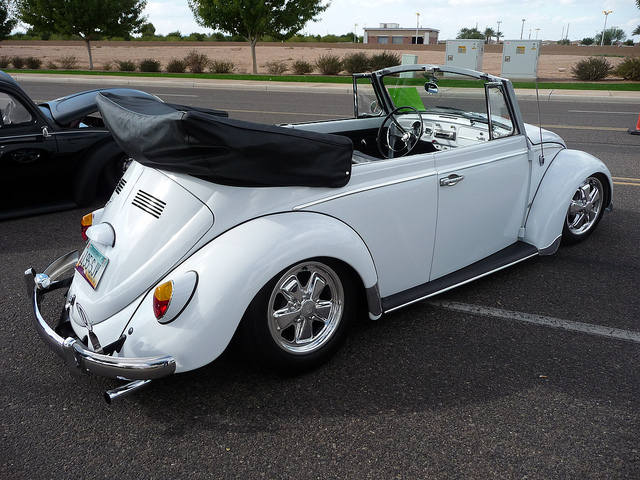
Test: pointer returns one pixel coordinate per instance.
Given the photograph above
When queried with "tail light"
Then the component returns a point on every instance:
(162, 299)
(88, 220)
(172, 297)
(85, 223)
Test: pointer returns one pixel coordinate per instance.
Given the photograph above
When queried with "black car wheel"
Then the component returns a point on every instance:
(300, 319)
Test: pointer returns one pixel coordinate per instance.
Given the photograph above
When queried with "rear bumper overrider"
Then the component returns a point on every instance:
(77, 357)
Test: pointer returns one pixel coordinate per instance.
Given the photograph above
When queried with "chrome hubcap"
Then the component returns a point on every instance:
(585, 206)
(305, 308)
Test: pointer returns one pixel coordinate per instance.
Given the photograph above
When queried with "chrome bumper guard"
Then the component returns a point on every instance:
(79, 360)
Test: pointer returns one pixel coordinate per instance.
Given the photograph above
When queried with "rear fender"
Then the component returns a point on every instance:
(545, 220)
(231, 270)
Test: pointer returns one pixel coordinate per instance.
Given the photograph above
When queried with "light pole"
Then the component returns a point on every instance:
(498, 32)
(355, 35)
(522, 29)
(606, 14)
(537, 33)
(417, 23)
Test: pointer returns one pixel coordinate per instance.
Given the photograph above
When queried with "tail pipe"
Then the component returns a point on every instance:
(125, 390)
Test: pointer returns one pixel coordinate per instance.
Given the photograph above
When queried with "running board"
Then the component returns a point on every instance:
(506, 257)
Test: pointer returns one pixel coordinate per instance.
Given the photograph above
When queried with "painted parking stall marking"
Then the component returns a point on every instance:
(599, 330)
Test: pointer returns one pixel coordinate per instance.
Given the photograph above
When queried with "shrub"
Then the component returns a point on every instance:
(69, 62)
(301, 67)
(149, 65)
(356, 62)
(592, 69)
(329, 64)
(4, 61)
(52, 65)
(384, 60)
(197, 62)
(108, 65)
(629, 69)
(176, 66)
(221, 66)
(126, 65)
(17, 62)
(33, 63)
(277, 67)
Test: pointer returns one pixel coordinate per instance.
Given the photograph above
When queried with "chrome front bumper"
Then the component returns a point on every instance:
(78, 359)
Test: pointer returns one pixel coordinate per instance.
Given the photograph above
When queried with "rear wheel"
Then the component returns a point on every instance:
(585, 211)
(300, 319)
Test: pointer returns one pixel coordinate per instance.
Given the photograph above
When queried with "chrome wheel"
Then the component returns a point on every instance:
(305, 308)
(585, 207)
(585, 210)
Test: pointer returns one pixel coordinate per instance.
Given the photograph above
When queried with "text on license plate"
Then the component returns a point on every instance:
(91, 265)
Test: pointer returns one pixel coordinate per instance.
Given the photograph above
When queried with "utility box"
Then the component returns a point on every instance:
(465, 54)
(409, 60)
(520, 58)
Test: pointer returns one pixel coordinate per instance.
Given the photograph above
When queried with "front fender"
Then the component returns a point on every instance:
(231, 270)
(544, 223)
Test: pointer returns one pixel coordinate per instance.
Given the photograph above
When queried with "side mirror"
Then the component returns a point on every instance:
(431, 88)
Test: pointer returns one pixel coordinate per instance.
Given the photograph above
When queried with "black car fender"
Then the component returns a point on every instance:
(94, 171)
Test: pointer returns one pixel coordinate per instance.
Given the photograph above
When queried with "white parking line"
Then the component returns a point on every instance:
(608, 332)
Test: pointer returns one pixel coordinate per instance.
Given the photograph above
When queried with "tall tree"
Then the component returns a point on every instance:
(88, 19)
(7, 22)
(254, 19)
(637, 30)
(611, 36)
(489, 33)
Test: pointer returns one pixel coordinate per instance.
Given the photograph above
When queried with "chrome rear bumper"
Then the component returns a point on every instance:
(78, 359)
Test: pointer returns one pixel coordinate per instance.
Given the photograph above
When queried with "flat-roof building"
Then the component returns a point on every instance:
(393, 34)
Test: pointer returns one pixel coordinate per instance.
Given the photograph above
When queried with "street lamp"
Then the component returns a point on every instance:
(522, 29)
(606, 14)
(498, 32)
(355, 35)
(417, 23)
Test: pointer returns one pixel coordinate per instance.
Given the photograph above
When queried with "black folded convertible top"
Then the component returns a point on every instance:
(206, 144)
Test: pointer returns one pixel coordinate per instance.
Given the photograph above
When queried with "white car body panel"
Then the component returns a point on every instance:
(481, 191)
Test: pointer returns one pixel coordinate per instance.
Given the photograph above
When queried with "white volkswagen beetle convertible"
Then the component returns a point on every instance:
(283, 234)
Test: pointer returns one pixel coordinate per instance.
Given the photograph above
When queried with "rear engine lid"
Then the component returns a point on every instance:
(156, 223)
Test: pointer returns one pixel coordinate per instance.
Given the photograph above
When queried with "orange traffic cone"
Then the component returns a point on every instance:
(637, 130)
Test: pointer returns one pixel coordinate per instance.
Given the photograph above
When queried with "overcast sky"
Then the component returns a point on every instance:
(583, 18)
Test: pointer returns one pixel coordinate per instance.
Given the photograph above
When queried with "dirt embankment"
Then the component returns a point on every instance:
(555, 62)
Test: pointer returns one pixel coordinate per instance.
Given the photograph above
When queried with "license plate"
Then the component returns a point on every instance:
(91, 265)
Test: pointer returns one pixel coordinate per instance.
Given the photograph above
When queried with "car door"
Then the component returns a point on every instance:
(482, 189)
(29, 170)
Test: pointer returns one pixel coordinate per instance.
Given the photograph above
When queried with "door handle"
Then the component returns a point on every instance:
(451, 180)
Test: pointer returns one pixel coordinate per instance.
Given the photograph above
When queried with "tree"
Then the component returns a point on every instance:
(489, 33)
(637, 30)
(88, 19)
(611, 36)
(7, 22)
(470, 33)
(254, 19)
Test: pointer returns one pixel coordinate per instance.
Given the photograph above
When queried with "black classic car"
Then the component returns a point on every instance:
(55, 155)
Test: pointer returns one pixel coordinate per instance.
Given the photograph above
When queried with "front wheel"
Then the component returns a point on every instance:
(300, 319)
(585, 211)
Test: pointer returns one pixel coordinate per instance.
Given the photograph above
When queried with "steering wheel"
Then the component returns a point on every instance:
(393, 139)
